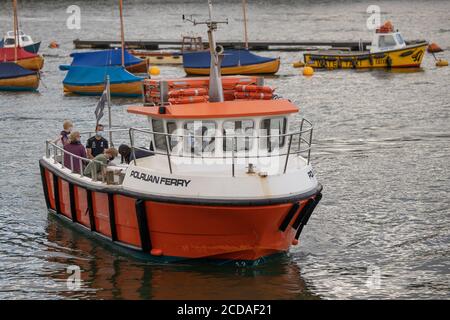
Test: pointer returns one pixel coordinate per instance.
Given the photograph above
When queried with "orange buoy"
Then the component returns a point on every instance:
(156, 252)
(387, 27)
(294, 242)
(53, 45)
(434, 48)
(308, 71)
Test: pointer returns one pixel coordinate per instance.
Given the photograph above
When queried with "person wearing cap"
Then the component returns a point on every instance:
(97, 144)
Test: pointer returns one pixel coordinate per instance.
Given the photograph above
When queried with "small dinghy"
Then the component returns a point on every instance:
(111, 57)
(85, 80)
(15, 78)
(240, 61)
(25, 41)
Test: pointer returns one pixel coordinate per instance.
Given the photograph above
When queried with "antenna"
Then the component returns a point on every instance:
(215, 81)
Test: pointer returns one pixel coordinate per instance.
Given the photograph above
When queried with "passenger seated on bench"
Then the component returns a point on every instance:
(75, 147)
(99, 163)
(127, 155)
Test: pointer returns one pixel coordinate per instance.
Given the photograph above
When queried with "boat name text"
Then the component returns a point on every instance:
(160, 180)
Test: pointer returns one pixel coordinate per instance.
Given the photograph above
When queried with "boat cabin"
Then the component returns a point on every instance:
(24, 40)
(386, 39)
(205, 128)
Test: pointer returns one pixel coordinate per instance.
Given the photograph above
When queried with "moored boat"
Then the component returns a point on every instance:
(222, 173)
(84, 80)
(110, 57)
(388, 50)
(15, 78)
(237, 61)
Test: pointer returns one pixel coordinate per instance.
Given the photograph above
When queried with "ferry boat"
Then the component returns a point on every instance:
(388, 50)
(224, 174)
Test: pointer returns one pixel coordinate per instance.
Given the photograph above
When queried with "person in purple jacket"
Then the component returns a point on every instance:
(75, 147)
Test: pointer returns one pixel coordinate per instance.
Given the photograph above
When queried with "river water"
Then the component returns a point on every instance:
(382, 152)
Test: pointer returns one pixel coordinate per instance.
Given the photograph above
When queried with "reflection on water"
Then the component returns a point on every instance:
(108, 275)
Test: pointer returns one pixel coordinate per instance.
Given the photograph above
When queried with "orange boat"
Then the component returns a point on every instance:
(226, 179)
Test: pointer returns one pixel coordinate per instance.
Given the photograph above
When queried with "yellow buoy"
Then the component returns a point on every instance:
(441, 63)
(308, 71)
(154, 71)
(298, 64)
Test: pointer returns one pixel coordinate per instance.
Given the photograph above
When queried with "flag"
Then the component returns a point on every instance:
(101, 105)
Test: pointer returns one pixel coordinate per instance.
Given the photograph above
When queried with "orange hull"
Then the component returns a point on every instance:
(176, 231)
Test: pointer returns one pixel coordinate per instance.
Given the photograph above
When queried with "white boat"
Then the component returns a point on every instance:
(24, 41)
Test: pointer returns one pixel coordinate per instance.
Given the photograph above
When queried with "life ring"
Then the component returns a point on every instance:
(254, 88)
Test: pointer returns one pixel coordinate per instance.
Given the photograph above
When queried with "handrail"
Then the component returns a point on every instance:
(81, 160)
(282, 151)
(282, 148)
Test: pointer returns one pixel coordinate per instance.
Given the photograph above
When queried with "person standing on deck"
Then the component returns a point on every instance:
(74, 147)
(97, 144)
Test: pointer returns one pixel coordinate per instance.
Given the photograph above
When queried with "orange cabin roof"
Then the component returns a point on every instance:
(214, 110)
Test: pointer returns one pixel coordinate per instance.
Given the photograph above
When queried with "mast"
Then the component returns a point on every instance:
(122, 36)
(215, 80)
(16, 30)
(244, 9)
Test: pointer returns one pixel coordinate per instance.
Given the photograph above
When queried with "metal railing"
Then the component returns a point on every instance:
(289, 144)
(295, 141)
(58, 153)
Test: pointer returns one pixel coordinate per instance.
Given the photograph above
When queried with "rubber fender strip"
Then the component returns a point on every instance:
(112, 217)
(287, 219)
(45, 186)
(144, 234)
(56, 194)
(305, 220)
(407, 53)
(73, 208)
(90, 210)
(303, 213)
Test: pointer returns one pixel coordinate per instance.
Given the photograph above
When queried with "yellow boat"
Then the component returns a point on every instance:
(388, 50)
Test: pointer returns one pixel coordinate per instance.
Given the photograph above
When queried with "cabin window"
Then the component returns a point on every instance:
(386, 41)
(200, 136)
(399, 39)
(243, 130)
(9, 42)
(159, 139)
(271, 129)
(171, 128)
